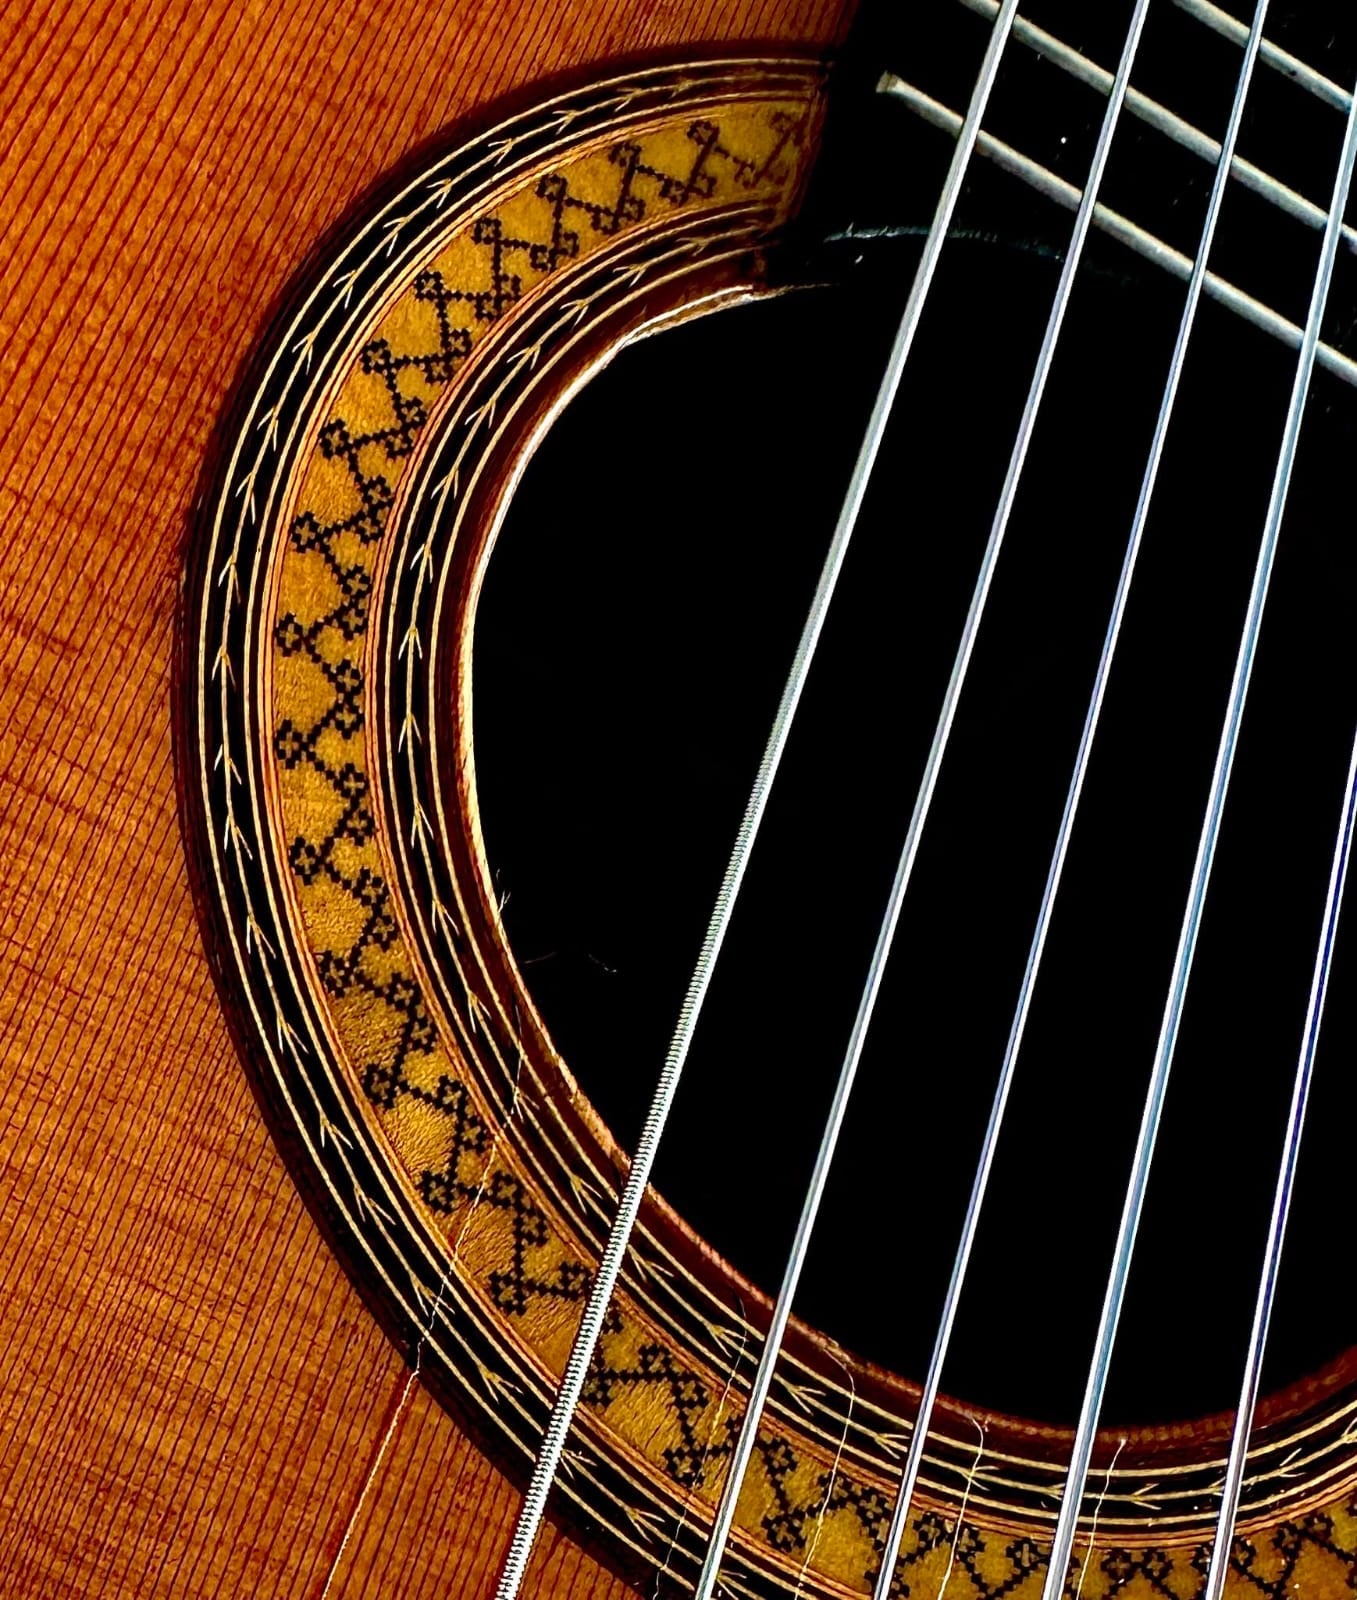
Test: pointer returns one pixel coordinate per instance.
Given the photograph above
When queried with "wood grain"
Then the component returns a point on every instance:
(193, 1400)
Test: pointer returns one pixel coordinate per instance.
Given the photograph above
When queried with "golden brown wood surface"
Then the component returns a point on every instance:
(193, 1401)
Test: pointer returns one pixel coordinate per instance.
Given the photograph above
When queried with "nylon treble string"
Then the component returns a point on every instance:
(1281, 1200)
(745, 1442)
(1072, 1494)
(548, 1459)
(1055, 872)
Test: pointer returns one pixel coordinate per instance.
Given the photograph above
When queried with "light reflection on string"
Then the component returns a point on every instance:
(1233, 1485)
(1055, 872)
(1201, 875)
(547, 1462)
(744, 1449)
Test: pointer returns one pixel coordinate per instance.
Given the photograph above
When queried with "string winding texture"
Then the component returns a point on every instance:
(610, 1266)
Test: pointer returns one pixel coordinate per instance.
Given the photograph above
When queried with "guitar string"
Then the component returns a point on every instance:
(1162, 120)
(1072, 1494)
(1055, 872)
(1281, 1202)
(1115, 225)
(548, 1458)
(744, 1447)
(1300, 73)
(770, 741)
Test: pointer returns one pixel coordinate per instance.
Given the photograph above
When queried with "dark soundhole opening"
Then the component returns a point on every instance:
(638, 618)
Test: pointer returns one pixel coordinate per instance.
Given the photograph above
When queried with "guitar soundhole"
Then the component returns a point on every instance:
(637, 619)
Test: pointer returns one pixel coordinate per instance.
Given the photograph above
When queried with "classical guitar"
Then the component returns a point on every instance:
(678, 776)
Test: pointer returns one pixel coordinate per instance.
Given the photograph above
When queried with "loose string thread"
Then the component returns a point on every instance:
(959, 1524)
(1097, 1512)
